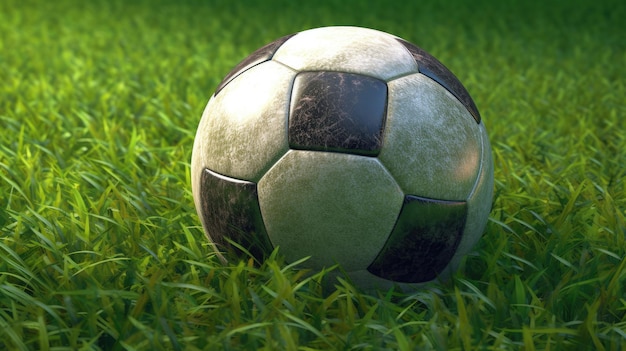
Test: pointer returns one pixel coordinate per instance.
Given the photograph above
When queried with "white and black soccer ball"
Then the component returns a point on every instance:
(348, 145)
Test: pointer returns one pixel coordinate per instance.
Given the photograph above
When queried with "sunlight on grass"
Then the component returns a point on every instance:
(101, 248)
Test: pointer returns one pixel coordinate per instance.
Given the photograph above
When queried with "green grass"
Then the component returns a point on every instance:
(101, 248)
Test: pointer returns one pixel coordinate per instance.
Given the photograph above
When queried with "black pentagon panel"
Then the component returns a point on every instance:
(230, 209)
(429, 66)
(423, 241)
(337, 112)
(261, 55)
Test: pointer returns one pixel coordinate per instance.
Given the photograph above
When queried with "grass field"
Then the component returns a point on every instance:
(101, 248)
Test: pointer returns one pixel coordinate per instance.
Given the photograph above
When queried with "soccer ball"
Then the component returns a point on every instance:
(349, 146)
